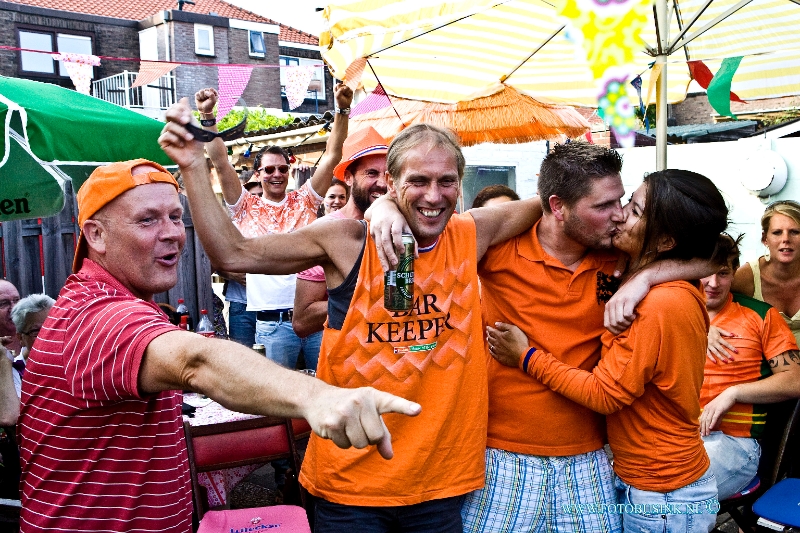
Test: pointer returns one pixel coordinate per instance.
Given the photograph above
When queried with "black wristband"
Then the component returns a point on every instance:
(207, 122)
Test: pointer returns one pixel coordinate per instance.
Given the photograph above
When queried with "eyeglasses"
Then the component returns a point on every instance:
(283, 169)
(32, 332)
(5, 304)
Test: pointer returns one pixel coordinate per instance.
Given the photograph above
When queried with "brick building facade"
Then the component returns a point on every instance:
(124, 29)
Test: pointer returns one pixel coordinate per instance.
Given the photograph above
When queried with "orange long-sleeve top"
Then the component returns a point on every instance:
(648, 384)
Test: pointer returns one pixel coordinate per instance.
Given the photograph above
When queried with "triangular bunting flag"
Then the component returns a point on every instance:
(702, 75)
(232, 83)
(376, 100)
(79, 68)
(719, 89)
(150, 71)
(297, 80)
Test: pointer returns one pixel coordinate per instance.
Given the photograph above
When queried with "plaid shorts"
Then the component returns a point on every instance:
(527, 493)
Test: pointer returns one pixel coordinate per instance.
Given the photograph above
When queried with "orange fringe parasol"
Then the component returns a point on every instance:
(503, 117)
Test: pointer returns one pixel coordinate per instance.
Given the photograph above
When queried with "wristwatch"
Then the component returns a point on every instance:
(343, 111)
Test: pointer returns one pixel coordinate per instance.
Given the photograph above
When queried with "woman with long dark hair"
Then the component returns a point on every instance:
(649, 377)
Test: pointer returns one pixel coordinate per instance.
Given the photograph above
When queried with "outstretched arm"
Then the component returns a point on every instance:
(499, 223)
(620, 309)
(206, 99)
(493, 224)
(321, 180)
(280, 253)
(243, 381)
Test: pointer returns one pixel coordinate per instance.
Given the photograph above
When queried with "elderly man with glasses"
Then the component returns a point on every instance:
(9, 296)
(261, 309)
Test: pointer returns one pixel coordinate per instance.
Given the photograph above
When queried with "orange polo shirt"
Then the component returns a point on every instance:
(648, 384)
(433, 355)
(758, 335)
(560, 312)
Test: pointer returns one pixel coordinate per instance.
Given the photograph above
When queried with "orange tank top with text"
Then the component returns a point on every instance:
(433, 355)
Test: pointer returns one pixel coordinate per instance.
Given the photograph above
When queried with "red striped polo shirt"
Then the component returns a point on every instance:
(98, 455)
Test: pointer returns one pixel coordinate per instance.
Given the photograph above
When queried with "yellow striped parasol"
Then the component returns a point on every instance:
(448, 51)
(506, 117)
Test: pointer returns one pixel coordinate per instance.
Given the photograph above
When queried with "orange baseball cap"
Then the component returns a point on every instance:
(365, 141)
(104, 185)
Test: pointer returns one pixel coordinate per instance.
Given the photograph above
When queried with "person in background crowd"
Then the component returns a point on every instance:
(100, 428)
(774, 278)
(733, 394)
(648, 380)
(337, 196)
(28, 316)
(254, 188)
(494, 194)
(276, 211)
(363, 170)
(9, 296)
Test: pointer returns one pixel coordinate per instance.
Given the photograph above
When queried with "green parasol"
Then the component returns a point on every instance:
(53, 135)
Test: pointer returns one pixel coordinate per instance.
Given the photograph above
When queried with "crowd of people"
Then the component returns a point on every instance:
(541, 330)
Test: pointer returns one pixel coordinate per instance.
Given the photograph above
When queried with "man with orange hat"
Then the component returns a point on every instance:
(271, 298)
(363, 168)
(100, 428)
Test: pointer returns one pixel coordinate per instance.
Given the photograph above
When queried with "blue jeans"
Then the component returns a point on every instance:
(241, 324)
(283, 346)
(689, 509)
(734, 461)
(433, 516)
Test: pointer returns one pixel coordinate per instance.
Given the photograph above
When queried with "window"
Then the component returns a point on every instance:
(203, 40)
(318, 75)
(49, 41)
(478, 177)
(257, 48)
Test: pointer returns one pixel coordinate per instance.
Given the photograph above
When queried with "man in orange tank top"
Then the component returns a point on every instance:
(431, 353)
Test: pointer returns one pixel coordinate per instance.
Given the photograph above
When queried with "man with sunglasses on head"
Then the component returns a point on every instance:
(264, 305)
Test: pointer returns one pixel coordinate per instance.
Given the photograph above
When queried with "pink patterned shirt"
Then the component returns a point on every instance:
(256, 216)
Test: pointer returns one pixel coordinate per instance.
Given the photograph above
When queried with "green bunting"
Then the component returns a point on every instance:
(719, 90)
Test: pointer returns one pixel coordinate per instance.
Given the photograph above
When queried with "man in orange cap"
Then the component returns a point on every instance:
(101, 434)
(363, 168)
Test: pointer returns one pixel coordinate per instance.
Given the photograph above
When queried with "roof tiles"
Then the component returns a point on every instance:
(141, 9)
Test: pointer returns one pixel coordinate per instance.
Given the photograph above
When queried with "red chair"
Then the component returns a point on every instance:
(244, 442)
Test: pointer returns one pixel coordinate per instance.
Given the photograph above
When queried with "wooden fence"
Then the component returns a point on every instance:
(37, 257)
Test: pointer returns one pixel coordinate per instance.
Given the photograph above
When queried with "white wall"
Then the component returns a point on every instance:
(527, 158)
(721, 162)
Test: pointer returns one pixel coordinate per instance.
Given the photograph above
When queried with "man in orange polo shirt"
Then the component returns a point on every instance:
(545, 454)
(765, 368)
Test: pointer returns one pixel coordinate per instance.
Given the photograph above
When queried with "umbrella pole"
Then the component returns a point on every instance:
(662, 22)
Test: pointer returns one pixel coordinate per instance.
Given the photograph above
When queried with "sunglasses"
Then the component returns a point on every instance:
(230, 134)
(283, 169)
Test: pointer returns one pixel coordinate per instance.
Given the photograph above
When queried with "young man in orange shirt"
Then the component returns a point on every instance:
(545, 459)
(763, 368)
(429, 352)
